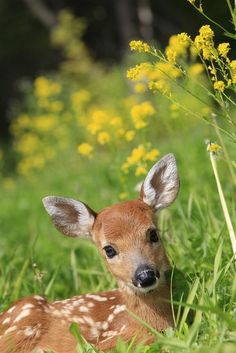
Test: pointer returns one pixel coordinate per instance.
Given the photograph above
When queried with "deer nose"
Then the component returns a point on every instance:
(145, 276)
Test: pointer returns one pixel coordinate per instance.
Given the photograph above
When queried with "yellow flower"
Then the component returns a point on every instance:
(160, 85)
(233, 65)
(85, 149)
(204, 42)
(152, 155)
(140, 87)
(45, 87)
(80, 97)
(184, 38)
(219, 86)
(98, 119)
(103, 138)
(115, 121)
(136, 155)
(208, 53)
(27, 143)
(174, 107)
(44, 123)
(206, 32)
(140, 112)
(139, 71)
(213, 147)
(129, 135)
(140, 170)
(177, 46)
(125, 168)
(139, 46)
(233, 68)
(223, 49)
(171, 55)
(195, 69)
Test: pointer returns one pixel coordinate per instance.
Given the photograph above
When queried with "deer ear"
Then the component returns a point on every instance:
(70, 217)
(161, 185)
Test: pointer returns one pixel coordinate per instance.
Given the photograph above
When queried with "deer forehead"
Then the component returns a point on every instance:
(125, 221)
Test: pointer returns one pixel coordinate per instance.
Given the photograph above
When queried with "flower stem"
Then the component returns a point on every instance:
(224, 206)
(228, 161)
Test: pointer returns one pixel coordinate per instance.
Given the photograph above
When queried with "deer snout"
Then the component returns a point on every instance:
(145, 276)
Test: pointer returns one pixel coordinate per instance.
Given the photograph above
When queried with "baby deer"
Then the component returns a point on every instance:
(127, 237)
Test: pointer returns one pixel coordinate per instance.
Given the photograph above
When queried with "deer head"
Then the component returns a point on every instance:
(125, 233)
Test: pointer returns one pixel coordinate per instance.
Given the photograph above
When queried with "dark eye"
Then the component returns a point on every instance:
(153, 237)
(110, 251)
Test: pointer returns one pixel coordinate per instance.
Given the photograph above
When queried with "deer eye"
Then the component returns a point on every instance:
(110, 251)
(153, 237)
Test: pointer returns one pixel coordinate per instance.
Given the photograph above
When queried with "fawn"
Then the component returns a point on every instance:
(127, 237)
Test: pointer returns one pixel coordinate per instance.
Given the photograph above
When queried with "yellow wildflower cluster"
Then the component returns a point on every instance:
(156, 76)
(140, 113)
(204, 43)
(85, 149)
(233, 71)
(103, 125)
(139, 158)
(219, 86)
(139, 72)
(79, 98)
(178, 45)
(45, 88)
(139, 46)
(223, 49)
(213, 147)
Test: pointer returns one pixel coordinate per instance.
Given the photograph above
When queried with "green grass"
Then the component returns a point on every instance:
(35, 258)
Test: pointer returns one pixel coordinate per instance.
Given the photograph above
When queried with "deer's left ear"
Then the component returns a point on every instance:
(161, 185)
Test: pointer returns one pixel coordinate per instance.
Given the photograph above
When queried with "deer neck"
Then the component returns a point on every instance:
(154, 308)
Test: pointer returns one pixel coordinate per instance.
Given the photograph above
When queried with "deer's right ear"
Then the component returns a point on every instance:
(70, 217)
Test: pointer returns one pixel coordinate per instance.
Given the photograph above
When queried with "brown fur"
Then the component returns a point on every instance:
(32, 324)
(125, 226)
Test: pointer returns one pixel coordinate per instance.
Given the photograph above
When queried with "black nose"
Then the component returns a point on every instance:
(145, 276)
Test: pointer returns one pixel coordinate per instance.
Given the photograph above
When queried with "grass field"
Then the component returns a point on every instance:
(35, 258)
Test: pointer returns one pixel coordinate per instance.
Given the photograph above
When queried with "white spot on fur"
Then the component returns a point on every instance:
(77, 320)
(37, 297)
(11, 309)
(96, 297)
(94, 332)
(83, 309)
(105, 325)
(29, 331)
(10, 329)
(6, 321)
(110, 318)
(89, 320)
(110, 333)
(56, 313)
(27, 306)
(23, 314)
(119, 309)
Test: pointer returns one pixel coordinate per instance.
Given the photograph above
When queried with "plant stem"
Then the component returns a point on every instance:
(228, 161)
(224, 206)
